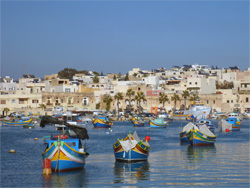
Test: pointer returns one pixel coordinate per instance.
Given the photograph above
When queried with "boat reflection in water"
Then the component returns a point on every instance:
(64, 179)
(131, 172)
(200, 154)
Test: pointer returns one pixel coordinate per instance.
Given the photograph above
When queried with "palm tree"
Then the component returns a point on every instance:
(175, 98)
(118, 96)
(194, 97)
(43, 106)
(139, 96)
(130, 93)
(163, 98)
(6, 110)
(185, 94)
(107, 99)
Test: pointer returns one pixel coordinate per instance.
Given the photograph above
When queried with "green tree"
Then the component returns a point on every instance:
(118, 96)
(6, 110)
(107, 99)
(126, 77)
(194, 97)
(43, 106)
(95, 79)
(185, 94)
(175, 98)
(83, 72)
(139, 97)
(130, 93)
(119, 75)
(67, 73)
(97, 106)
(114, 77)
(163, 98)
(95, 73)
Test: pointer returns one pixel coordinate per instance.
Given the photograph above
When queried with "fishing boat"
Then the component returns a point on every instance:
(102, 122)
(137, 121)
(17, 122)
(132, 149)
(65, 153)
(158, 123)
(200, 135)
(183, 133)
(229, 124)
(197, 109)
(185, 130)
(208, 122)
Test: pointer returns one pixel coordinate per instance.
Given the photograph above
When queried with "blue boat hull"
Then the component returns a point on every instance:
(183, 137)
(130, 156)
(100, 125)
(65, 165)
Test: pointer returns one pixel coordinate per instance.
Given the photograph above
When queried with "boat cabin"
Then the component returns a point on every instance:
(73, 143)
(205, 121)
(71, 118)
(232, 120)
(233, 115)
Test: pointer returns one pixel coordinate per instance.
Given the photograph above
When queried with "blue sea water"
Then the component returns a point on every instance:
(170, 164)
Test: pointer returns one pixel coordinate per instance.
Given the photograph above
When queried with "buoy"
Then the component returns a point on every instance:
(47, 167)
(147, 138)
(227, 130)
(12, 151)
(36, 139)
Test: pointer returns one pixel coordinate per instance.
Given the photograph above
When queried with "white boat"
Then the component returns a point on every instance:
(198, 110)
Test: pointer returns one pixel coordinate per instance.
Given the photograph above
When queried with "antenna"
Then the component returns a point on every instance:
(24, 69)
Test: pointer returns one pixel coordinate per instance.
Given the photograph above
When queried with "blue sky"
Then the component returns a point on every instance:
(44, 37)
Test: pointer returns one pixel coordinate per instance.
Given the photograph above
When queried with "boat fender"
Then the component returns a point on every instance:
(12, 151)
(147, 138)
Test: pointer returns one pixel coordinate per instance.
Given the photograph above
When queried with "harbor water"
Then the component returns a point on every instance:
(170, 163)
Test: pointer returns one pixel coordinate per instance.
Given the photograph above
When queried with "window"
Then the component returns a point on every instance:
(85, 101)
(13, 101)
(35, 101)
(232, 101)
(195, 83)
(2, 101)
(67, 90)
(214, 101)
(227, 101)
(207, 101)
(247, 100)
(245, 85)
(190, 83)
(70, 100)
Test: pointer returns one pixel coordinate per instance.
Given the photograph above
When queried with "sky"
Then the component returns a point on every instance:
(44, 37)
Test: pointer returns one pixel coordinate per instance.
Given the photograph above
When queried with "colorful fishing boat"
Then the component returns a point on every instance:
(102, 122)
(185, 130)
(230, 124)
(208, 122)
(158, 123)
(137, 121)
(200, 136)
(64, 153)
(17, 122)
(132, 149)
